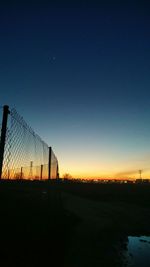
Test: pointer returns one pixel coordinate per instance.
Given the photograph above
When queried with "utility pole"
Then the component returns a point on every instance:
(3, 136)
(140, 172)
(31, 172)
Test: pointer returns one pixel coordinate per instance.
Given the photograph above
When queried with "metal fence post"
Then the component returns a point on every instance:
(3, 136)
(21, 174)
(57, 174)
(8, 174)
(49, 163)
(41, 176)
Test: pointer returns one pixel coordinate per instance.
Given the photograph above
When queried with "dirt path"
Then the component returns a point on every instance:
(93, 241)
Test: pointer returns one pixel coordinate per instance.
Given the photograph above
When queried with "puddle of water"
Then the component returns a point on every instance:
(138, 251)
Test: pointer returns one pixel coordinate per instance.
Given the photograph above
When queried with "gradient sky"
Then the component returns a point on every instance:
(79, 74)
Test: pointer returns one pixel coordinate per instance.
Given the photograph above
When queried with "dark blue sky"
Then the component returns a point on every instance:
(79, 73)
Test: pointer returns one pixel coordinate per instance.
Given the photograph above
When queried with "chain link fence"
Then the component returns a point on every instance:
(26, 155)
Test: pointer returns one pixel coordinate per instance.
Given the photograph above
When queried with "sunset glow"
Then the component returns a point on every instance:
(79, 76)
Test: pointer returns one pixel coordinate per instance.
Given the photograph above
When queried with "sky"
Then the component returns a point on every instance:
(79, 74)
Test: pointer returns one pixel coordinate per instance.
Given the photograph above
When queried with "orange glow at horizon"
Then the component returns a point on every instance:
(84, 175)
(103, 161)
(93, 172)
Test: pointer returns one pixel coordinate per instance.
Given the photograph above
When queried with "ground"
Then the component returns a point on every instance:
(70, 224)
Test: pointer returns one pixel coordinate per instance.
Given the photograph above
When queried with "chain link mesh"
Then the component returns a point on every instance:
(26, 155)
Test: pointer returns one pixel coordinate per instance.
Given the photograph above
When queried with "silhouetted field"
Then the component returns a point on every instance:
(138, 193)
(69, 223)
(33, 224)
(109, 214)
